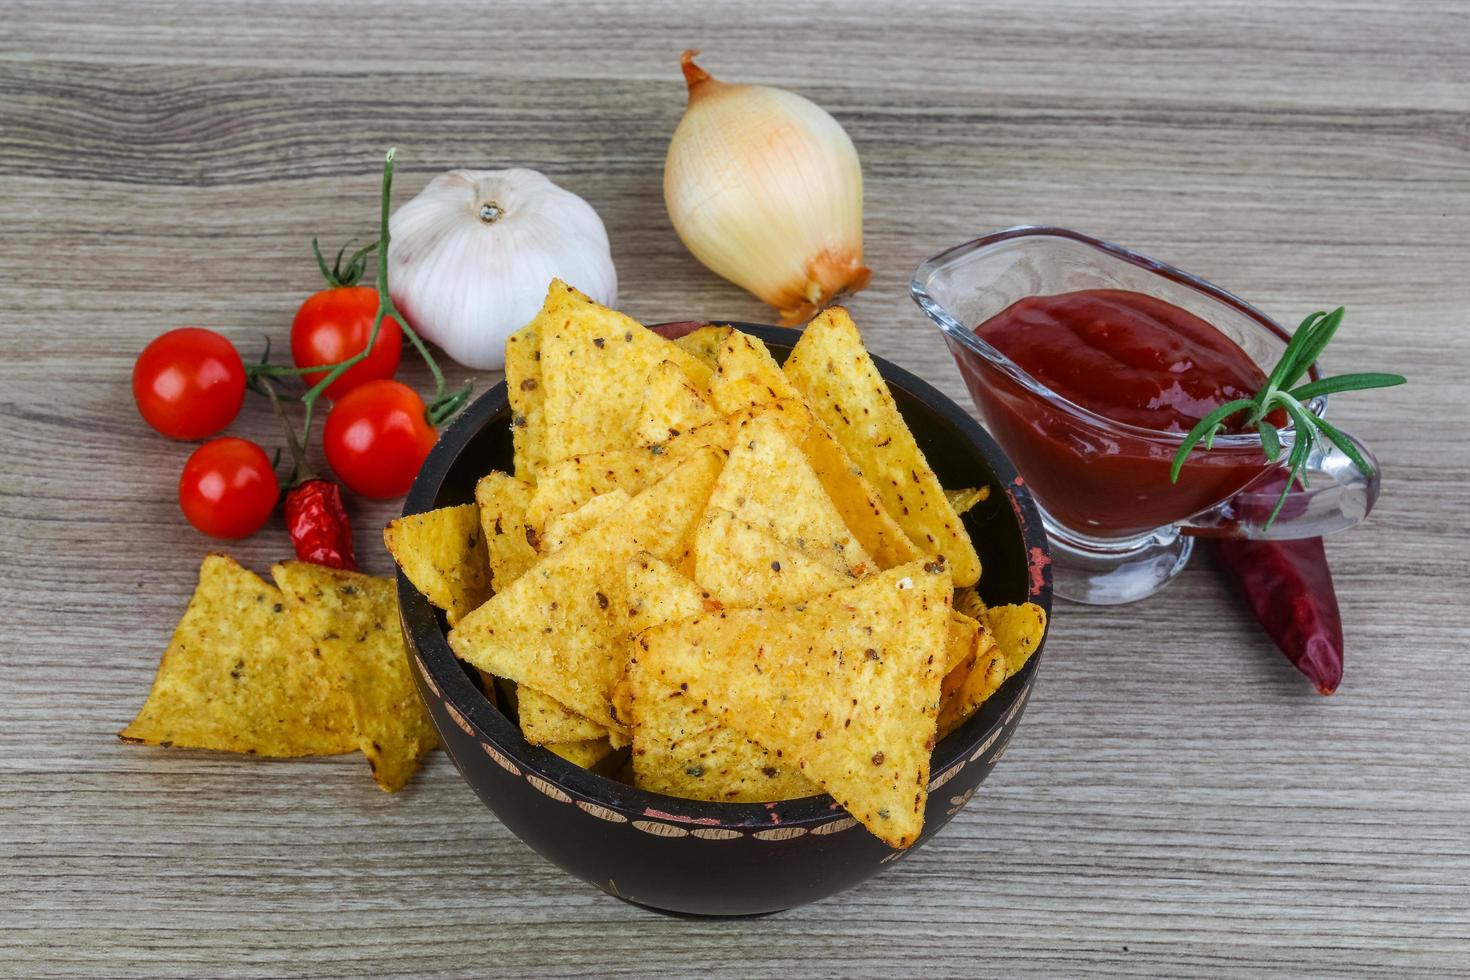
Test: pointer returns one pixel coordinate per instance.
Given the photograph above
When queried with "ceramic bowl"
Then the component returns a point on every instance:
(718, 859)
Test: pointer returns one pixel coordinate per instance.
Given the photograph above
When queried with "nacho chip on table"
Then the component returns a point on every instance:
(502, 500)
(558, 629)
(830, 366)
(747, 376)
(1018, 630)
(443, 553)
(240, 675)
(704, 343)
(671, 405)
(565, 527)
(767, 482)
(845, 685)
(593, 365)
(353, 620)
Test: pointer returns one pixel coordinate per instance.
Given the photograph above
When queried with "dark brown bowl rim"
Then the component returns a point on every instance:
(422, 625)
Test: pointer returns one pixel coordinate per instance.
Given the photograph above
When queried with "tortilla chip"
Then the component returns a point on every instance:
(561, 529)
(743, 566)
(593, 364)
(502, 501)
(846, 685)
(353, 619)
(705, 343)
(671, 405)
(968, 601)
(567, 484)
(240, 675)
(748, 376)
(558, 629)
(1018, 631)
(966, 499)
(963, 639)
(443, 553)
(969, 683)
(845, 391)
(545, 721)
(523, 385)
(585, 754)
(768, 483)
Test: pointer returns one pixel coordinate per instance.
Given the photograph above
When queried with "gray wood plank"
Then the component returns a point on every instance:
(1178, 802)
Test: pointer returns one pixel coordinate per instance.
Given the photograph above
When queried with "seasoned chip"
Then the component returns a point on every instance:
(567, 484)
(744, 566)
(593, 364)
(767, 482)
(964, 500)
(969, 683)
(558, 628)
(845, 391)
(545, 721)
(846, 685)
(704, 343)
(443, 553)
(585, 754)
(963, 640)
(353, 619)
(523, 384)
(968, 601)
(655, 593)
(1017, 630)
(240, 675)
(748, 376)
(502, 501)
(671, 405)
(561, 529)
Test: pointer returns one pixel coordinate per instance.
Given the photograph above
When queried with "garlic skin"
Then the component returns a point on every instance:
(471, 256)
(765, 188)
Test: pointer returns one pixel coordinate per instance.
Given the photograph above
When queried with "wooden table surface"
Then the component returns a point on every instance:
(1178, 801)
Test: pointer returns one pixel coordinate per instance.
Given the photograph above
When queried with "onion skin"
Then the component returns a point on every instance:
(765, 189)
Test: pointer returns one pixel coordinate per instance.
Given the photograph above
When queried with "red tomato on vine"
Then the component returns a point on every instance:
(376, 438)
(189, 383)
(335, 323)
(228, 488)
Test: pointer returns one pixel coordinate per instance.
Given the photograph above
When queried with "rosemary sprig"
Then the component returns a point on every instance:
(1281, 391)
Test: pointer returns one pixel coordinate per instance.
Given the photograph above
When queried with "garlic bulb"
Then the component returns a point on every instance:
(471, 257)
(764, 187)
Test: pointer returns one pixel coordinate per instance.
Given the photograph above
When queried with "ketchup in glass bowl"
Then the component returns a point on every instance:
(1089, 364)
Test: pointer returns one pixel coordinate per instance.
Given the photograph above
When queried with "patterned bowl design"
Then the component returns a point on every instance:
(690, 857)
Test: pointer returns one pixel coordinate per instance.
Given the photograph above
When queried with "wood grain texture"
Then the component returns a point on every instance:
(1178, 801)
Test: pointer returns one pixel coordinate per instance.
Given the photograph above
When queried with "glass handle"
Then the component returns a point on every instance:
(1337, 496)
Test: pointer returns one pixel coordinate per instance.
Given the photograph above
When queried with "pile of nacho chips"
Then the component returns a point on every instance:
(744, 574)
(314, 665)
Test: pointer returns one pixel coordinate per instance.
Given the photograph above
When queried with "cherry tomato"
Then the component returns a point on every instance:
(228, 488)
(376, 438)
(334, 324)
(189, 383)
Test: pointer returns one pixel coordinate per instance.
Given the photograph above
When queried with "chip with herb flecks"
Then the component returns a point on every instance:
(671, 405)
(443, 553)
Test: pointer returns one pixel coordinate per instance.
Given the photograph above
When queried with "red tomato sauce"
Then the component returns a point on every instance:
(1130, 358)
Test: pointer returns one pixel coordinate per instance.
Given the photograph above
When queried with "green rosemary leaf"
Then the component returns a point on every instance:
(1341, 441)
(1205, 427)
(1270, 440)
(1319, 337)
(1289, 357)
(1346, 382)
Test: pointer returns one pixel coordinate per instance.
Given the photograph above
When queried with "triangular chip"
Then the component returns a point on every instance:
(240, 675)
(561, 529)
(671, 405)
(567, 484)
(844, 389)
(969, 682)
(502, 500)
(353, 619)
(743, 566)
(768, 483)
(523, 385)
(846, 685)
(558, 628)
(544, 720)
(1018, 631)
(443, 553)
(704, 343)
(593, 364)
(585, 754)
(748, 377)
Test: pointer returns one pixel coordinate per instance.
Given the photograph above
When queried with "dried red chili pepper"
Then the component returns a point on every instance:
(315, 517)
(1288, 586)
